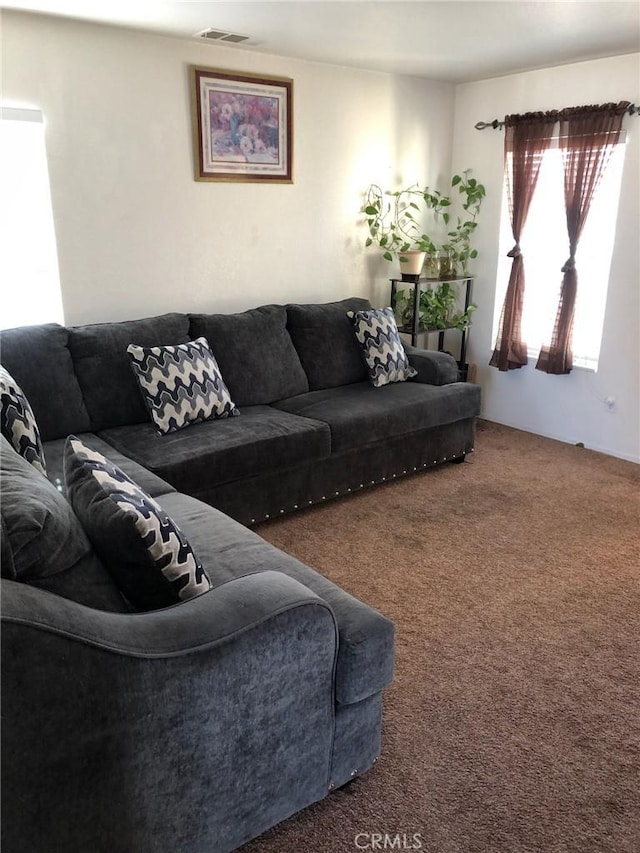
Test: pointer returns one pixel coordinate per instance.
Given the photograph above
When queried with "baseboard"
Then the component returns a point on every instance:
(597, 448)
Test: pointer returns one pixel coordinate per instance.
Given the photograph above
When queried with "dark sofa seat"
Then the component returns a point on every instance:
(146, 479)
(260, 441)
(360, 414)
(229, 550)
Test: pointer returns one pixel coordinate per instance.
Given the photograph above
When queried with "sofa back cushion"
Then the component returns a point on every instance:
(326, 344)
(254, 351)
(38, 358)
(110, 389)
(43, 543)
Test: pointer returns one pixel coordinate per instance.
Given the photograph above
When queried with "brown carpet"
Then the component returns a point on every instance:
(513, 723)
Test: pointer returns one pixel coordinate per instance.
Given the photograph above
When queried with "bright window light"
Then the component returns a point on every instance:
(545, 248)
(28, 256)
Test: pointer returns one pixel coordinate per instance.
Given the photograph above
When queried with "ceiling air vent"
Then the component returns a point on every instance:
(219, 36)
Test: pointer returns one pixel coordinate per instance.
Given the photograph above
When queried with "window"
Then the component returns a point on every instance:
(29, 260)
(545, 248)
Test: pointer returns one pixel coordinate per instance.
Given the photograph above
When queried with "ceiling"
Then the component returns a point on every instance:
(450, 40)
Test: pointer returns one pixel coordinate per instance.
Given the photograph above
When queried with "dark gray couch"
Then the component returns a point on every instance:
(311, 425)
(198, 726)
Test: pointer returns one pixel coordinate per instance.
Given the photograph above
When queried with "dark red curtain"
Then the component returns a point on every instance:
(527, 137)
(587, 137)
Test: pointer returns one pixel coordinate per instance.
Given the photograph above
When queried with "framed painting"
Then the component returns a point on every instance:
(242, 126)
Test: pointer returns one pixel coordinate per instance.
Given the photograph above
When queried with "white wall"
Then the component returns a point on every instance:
(570, 408)
(137, 235)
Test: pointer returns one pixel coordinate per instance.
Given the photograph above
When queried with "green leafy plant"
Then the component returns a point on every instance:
(394, 219)
(436, 311)
(459, 243)
(437, 308)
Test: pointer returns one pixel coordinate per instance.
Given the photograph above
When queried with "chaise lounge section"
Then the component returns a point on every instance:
(193, 727)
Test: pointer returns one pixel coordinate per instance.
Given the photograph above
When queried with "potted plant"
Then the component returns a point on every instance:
(392, 218)
(394, 221)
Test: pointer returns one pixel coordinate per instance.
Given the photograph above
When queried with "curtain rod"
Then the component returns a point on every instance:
(498, 125)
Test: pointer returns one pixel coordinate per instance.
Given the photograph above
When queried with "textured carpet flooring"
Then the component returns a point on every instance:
(513, 723)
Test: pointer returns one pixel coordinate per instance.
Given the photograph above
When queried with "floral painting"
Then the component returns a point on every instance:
(242, 127)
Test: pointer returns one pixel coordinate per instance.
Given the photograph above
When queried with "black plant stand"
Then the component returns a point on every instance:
(414, 330)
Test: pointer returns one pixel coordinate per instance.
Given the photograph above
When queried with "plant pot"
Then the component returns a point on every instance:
(411, 264)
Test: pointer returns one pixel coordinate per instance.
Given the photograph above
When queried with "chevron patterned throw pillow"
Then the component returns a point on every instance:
(181, 384)
(17, 422)
(147, 554)
(377, 333)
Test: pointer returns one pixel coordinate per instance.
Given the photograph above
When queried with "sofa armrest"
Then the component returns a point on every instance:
(434, 367)
(194, 727)
(208, 620)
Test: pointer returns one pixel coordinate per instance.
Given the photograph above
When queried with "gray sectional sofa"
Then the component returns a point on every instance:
(311, 425)
(198, 726)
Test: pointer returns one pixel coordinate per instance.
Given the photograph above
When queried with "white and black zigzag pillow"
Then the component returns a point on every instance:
(146, 552)
(181, 384)
(17, 422)
(377, 334)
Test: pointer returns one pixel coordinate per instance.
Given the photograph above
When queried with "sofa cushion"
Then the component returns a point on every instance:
(99, 353)
(43, 543)
(324, 340)
(377, 333)
(361, 414)
(39, 360)
(17, 422)
(181, 384)
(365, 653)
(255, 353)
(264, 439)
(148, 481)
(145, 550)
